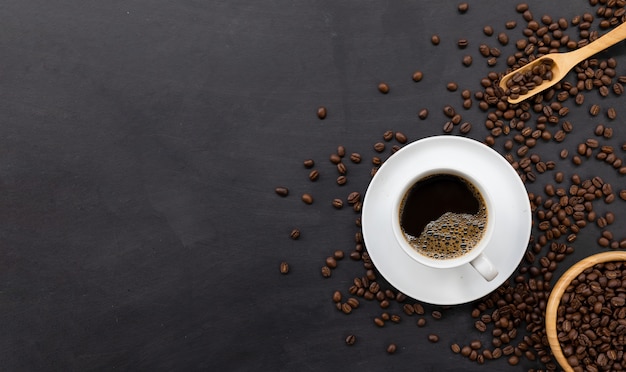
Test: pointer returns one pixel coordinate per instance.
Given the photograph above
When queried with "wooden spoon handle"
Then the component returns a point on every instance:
(609, 39)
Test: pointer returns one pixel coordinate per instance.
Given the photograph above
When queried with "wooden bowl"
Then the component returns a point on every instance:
(557, 293)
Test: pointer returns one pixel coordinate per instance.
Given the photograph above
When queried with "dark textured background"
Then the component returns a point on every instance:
(140, 143)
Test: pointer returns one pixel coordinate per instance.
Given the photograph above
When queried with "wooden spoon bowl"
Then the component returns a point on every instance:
(557, 292)
(562, 63)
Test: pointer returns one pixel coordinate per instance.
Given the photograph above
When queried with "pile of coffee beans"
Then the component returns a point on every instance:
(591, 319)
(525, 81)
(564, 202)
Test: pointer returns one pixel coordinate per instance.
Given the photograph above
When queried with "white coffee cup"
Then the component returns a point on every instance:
(475, 257)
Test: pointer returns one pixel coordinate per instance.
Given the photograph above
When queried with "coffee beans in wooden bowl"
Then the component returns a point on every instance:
(586, 314)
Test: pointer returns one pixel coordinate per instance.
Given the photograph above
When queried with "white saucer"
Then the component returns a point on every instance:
(506, 248)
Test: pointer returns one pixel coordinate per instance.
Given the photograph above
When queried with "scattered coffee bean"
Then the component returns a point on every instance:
(383, 88)
(465, 127)
(321, 112)
(463, 7)
(433, 338)
(295, 234)
(282, 191)
(307, 198)
(354, 197)
(284, 268)
(503, 38)
(326, 271)
(423, 114)
(314, 175)
(452, 86)
(467, 60)
(435, 40)
(379, 147)
(488, 30)
(594, 110)
(341, 151)
(611, 113)
(391, 348)
(401, 137)
(417, 76)
(350, 340)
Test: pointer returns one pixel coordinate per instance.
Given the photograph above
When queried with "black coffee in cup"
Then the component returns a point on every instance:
(443, 216)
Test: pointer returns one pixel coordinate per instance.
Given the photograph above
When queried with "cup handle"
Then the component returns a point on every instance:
(484, 267)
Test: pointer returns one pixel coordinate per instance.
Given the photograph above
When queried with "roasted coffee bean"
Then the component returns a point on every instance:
(421, 322)
(355, 157)
(379, 147)
(295, 234)
(488, 30)
(350, 340)
(480, 326)
(353, 302)
(455, 348)
(449, 111)
(465, 127)
(321, 112)
(448, 127)
(383, 88)
(510, 25)
(418, 76)
(388, 135)
(335, 159)
(401, 137)
(435, 40)
(337, 203)
(341, 180)
(342, 169)
(337, 296)
(284, 268)
(341, 151)
(436, 314)
(308, 163)
(314, 175)
(433, 338)
(467, 60)
(326, 271)
(307, 198)
(346, 309)
(354, 197)
(594, 110)
(423, 114)
(463, 7)
(282, 191)
(611, 113)
(462, 43)
(391, 348)
(419, 309)
(503, 38)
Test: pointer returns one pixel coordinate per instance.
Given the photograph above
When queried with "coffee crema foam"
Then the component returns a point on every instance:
(450, 236)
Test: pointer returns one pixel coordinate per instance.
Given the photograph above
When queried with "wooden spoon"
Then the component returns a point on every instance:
(563, 62)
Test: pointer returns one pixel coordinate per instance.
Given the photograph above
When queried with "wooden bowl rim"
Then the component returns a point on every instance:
(557, 292)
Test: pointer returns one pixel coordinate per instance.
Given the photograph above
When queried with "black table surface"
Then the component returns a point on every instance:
(141, 143)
